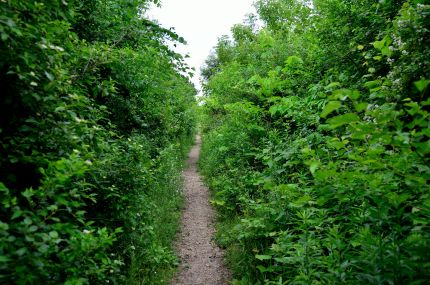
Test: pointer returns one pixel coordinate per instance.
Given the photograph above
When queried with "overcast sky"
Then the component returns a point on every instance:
(201, 23)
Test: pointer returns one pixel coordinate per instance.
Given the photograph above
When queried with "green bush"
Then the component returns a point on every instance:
(333, 187)
(88, 150)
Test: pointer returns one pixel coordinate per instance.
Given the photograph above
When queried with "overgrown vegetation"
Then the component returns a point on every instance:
(316, 142)
(96, 116)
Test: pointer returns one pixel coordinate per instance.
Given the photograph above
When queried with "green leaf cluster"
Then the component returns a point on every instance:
(316, 143)
(96, 118)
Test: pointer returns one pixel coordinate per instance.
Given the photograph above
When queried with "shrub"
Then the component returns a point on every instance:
(334, 188)
(87, 148)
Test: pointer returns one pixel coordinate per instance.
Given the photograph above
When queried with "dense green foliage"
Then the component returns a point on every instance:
(316, 142)
(96, 117)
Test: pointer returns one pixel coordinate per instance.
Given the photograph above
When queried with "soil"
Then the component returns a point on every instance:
(202, 261)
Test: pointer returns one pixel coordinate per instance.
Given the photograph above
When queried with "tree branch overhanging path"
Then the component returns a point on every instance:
(202, 261)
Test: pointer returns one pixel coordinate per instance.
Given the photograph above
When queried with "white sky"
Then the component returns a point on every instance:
(201, 23)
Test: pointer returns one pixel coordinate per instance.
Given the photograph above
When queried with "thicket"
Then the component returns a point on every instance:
(95, 118)
(316, 142)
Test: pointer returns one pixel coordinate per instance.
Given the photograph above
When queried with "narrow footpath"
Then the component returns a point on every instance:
(202, 261)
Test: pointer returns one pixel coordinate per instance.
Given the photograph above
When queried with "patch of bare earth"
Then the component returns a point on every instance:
(202, 261)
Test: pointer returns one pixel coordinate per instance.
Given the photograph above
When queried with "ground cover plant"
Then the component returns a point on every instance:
(96, 116)
(316, 142)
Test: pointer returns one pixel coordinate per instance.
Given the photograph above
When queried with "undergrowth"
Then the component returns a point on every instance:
(316, 143)
(97, 114)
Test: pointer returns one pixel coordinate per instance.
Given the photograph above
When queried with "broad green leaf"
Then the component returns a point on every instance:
(28, 193)
(302, 200)
(360, 106)
(413, 108)
(422, 84)
(330, 107)
(385, 42)
(343, 94)
(372, 84)
(218, 202)
(49, 76)
(4, 226)
(4, 259)
(264, 269)
(343, 120)
(426, 102)
(263, 257)
(17, 214)
(378, 44)
(33, 228)
(76, 281)
(278, 109)
(386, 51)
(332, 86)
(222, 148)
(313, 166)
(293, 61)
(423, 147)
(397, 199)
(3, 188)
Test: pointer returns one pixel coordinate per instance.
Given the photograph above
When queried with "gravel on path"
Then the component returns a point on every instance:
(202, 261)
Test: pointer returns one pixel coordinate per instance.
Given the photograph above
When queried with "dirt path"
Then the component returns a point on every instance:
(201, 259)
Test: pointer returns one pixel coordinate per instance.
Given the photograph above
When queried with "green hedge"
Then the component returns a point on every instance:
(316, 141)
(96, 118)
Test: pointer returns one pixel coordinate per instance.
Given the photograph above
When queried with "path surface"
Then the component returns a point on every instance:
(201, 260)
